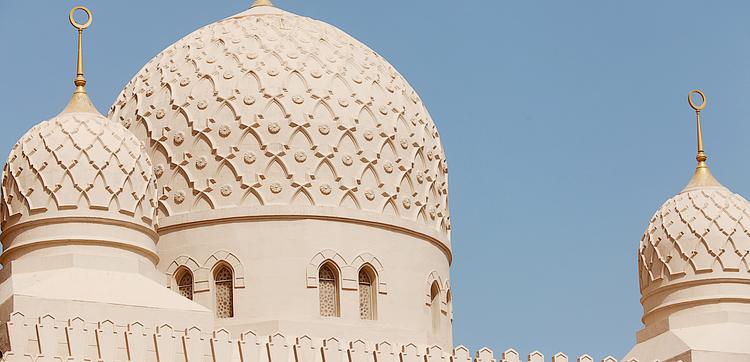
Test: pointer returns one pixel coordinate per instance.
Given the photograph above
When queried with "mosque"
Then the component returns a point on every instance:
(270, 189)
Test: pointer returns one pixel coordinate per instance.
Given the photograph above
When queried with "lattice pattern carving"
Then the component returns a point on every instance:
(185, 284)
(329, 305)
(224, 292)
(278, 109)
(697, 231)
(366, 295)
(79, 161)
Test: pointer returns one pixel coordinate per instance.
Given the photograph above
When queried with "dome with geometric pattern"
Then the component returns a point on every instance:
(78, 164)
(703, 232)
(277, 113)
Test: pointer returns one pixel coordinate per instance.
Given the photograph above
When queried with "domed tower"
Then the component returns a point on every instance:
(694, 272)
(303, 186)
(78, 223)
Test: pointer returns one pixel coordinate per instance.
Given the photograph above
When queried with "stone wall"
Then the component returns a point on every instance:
(48, 339)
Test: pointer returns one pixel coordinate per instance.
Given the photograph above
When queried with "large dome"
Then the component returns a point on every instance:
(277, 113)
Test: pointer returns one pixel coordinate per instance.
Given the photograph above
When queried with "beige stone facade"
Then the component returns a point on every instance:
(270, 189)
(301, 147)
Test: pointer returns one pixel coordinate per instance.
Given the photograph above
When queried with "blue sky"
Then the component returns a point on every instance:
(565, 125)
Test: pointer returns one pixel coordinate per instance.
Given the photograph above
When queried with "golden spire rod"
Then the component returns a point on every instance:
(261, 3)
(701, 156)
(80, 81)
(80, 101)
(702, 176)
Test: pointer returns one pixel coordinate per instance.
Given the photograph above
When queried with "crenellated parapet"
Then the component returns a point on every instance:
(46, 338)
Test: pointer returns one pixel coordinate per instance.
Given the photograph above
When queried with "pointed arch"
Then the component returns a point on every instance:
(205, 89)
(340, 85)
(273, 62)
(406, 186)
(221, 113)
(367, 259)
(348, 143)
(377, 92)
(276, 166)
(223, 165)
(162, 209)
(180, 179)
(432, 278)
(223, 277)
(185, 263)
(296, 82)
(350, 200)
(326, 171)
(97, 195)
(435, 305)
(275, 111)
(388, 151)
(390, 208)
(328, 276)
(435, 197)
(223, 256)
(419, 160)
(252, 197)
(164, 95)
(248, 136)
(250, 82)
(202, 144)
(183, 281)
(449, 302)
(348, 277)
(370, 177)
(203, 201)
(313, 58)
(126, 201)
(293, 139)
(235, 61)
(366, 117)
(322, 113)
(302, 197)
(63, 199)
(368, 296)
(328, 290)
(422, 214)
(403, 127)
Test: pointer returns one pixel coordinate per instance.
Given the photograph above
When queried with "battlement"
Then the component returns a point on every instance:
(48, 339)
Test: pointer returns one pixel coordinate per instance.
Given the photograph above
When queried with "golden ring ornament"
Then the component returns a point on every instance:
(700, 107)
(73, 21)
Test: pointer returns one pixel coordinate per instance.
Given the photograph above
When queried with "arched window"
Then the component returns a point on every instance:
(367, 294)
(449, 301)
(224, 281)
(184, 280)
(435, 305)
(329, 290)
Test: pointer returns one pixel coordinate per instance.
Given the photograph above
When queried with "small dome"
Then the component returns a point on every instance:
(703, 232)
(267, 109)
(78, 164)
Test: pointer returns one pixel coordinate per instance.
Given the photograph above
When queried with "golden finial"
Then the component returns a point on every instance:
(702, 176)
(80, 101)
(701, 157)
(261, 3)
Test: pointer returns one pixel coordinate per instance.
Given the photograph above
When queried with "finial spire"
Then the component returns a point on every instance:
(261, 3)
(80, 81)
(701, 156)
(702, 176)
(80, 101)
